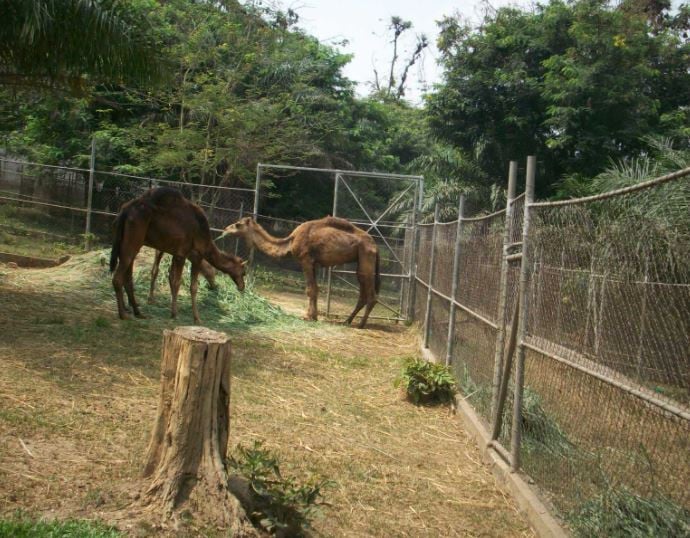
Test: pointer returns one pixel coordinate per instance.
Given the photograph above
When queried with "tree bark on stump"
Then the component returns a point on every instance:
(189, 440)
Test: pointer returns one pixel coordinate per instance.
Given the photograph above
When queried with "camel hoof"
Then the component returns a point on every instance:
(308, 318)
(124, 316)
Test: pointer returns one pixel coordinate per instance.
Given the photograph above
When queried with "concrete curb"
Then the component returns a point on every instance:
(540, 518)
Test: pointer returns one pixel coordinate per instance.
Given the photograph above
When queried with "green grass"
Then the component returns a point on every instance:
(622, 513)
(21, 526)
(31, 231)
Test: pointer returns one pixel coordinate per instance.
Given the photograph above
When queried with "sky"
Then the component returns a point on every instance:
(363, 23)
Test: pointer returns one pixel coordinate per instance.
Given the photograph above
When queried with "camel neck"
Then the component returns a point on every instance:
(215, 256)
(276, 247)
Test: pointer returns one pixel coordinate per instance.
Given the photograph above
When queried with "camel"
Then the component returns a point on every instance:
(326, 242)
(164, 219)
(206, 269)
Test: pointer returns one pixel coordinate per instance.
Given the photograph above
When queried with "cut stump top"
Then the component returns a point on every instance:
(199, 334)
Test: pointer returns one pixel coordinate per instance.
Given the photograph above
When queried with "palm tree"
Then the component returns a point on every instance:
(66, 42)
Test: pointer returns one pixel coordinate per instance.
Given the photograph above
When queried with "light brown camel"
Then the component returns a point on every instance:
(206, 270)
(326, 242)
(165, 220)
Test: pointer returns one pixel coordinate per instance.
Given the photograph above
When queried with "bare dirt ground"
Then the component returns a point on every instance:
(78, 391)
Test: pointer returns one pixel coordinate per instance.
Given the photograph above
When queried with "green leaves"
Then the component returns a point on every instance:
(578, 83)
(427, 382)
(62, 41)
(283, 504)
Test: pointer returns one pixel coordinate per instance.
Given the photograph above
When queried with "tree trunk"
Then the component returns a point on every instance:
(190, 437)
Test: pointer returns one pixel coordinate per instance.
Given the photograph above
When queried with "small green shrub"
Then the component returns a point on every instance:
(622, 513)
(427, 382)
(284, 506)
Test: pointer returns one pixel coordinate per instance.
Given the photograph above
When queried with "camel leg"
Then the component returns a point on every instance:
(209, 274)
(154, 275)
(193, 288)
(129, 288)
(309, 269)
(366, 274)
(131, 243)
(370, 300)
(175, 279)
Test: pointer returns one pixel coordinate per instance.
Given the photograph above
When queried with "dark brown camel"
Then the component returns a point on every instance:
(165, 220)
(326, 242)
(206, 270)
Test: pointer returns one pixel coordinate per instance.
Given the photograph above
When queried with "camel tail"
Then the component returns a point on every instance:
(377, 282)
(119, 232)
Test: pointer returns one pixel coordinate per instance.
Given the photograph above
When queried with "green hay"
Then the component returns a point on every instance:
(226, 304)
(622, 513)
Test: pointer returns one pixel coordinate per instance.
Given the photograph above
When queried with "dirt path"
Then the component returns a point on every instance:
(78, 391)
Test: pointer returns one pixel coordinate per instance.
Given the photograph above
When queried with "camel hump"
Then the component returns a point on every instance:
(165, 197)
(341, 224)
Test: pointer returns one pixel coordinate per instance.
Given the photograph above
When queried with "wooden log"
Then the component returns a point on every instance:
(184, 460)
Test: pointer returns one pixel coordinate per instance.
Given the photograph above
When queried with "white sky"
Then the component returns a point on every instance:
(364, 24)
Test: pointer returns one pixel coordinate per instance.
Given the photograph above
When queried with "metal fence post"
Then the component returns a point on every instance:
(412, 290)
(255, 212)
(89, 200)
(239, 217)
(523, 317)
(456, 277)
(432, 267)
(330, 269)
(503, 288)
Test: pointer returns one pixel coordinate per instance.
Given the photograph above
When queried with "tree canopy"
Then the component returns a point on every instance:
(577, 83)
(580, 84)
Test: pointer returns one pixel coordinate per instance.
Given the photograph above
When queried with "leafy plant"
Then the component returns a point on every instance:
(427, 382)
(284, 505)
(621, 512)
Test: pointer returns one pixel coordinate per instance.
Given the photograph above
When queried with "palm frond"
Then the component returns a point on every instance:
(60, 41)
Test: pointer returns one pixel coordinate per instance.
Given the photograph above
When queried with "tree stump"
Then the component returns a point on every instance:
(190, 436)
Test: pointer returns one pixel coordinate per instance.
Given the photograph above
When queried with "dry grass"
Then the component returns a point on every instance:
(78, 390)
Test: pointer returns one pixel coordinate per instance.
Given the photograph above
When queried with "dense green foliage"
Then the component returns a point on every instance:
(62, 43)
(427, 382)
(577, 83)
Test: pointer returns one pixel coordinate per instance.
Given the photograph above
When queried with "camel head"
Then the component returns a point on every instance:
(241, 228)
(235, 267)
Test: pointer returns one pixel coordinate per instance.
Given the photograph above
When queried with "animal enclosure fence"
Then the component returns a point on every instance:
(384, 205)
(596, 395)
(81, 202)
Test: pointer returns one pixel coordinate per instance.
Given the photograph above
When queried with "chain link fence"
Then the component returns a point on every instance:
(595, 405)
(77, 204)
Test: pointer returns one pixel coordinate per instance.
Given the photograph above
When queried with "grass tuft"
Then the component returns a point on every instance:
(21, 526)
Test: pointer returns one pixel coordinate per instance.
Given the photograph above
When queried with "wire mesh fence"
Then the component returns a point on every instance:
(80, 203)
(603, 399)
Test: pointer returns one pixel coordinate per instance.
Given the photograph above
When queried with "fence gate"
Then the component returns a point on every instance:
(384, 205)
